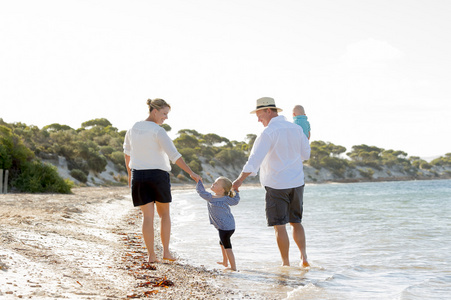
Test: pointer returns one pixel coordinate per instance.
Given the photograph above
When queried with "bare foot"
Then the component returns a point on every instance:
(229, 269)
(225, 264)
(169, 259)
(304, 260)
(152, 259)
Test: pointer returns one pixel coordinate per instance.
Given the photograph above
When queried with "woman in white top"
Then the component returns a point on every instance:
(148, 149)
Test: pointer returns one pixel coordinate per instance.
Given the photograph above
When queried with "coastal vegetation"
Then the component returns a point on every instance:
(32, 154)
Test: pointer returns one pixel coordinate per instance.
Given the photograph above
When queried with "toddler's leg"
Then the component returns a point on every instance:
(225, 236)
(224, 261)
(231, 258)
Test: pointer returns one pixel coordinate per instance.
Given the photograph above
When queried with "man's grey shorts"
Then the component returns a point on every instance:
(284, 206)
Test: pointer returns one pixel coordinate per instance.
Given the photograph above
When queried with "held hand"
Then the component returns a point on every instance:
(195, 177)
(236, 184)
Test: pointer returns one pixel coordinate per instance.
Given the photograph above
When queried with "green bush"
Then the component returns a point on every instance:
(195, 166)
(117, 157)
(336, 165)
(97, 162)
(231, 156)
(368, 173)
(175, 170)
(106, 150)
(38, 177)
(5, 160)
(425, 166)
(79, 175)
(182, 177)
(78, 163)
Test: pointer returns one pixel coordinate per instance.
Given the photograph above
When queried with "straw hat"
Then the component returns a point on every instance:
(265, 102)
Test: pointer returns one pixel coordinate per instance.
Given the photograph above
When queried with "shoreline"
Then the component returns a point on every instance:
(88, 245)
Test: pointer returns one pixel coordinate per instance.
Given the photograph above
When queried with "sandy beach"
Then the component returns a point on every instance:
(88, 245)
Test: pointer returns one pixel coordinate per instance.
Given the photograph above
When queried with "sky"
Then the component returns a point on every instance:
(367, 72)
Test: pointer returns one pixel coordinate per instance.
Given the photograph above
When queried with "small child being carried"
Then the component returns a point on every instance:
(220, 215)
(300, 118)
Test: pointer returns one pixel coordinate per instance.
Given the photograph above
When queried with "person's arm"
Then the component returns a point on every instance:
(202, 192)
(127, 149)
(260, 149)
(239, 181)
(182, 164)
(127, 162)
(233, 200)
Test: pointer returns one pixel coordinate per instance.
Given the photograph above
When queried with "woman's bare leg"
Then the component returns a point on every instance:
(163, 210)
(148, 211)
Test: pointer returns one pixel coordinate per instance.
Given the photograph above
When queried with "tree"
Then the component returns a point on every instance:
(326, 155)
(366, 155)
(14, 152)
(190, 132)
(102, 122)
(166, 127)
(212, 139)
(250, 138)
(186, 141)
(392, 157)
(57, 127)
(442, 160)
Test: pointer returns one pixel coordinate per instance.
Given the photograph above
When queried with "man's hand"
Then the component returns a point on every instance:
(239, 181)
(236, 185)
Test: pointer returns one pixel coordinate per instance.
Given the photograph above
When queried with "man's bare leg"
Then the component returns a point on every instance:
(283, 242)
(299, 238)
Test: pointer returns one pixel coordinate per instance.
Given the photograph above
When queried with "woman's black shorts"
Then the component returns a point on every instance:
(150, 186)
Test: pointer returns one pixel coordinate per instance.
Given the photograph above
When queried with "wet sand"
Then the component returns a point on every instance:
(88, 245)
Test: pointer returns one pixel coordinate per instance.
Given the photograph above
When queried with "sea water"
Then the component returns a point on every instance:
(385, 240)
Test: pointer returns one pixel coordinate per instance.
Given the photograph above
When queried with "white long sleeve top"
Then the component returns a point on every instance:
(278, 153)
(149, 147)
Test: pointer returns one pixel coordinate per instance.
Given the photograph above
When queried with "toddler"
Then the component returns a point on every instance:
(300, 118)
(220, 215)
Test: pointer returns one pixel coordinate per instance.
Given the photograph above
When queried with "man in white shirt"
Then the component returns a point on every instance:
(278, 153)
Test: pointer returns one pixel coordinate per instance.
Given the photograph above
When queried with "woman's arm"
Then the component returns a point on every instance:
(182, 164)
(127, 162)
